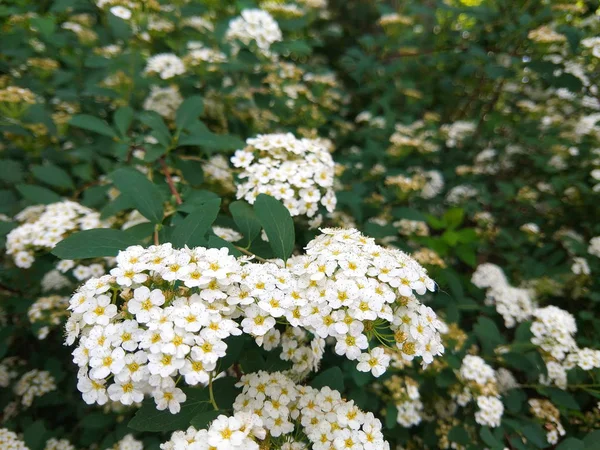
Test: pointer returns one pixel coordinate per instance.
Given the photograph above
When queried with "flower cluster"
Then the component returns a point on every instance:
(515, 305)
(254, 26)
(34, 383)
(163, 313)
(292, 416)
(550, 417)
(166, 65)
(10, 441)
(479, 383)
(163, 100)
(554, 330)
(351, 281)
(46, 225)
(299, 172)
(58, 444)
(405, 395)
(48, 312)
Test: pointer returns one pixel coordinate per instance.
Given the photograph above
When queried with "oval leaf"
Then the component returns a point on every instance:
(278, 224)
(194, 227)
(92, 123)
(94, 243)
(143, 193)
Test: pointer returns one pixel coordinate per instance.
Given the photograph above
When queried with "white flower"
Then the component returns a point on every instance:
(375, 361)
(121, 12)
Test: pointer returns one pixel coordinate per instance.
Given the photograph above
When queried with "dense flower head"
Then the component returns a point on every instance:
(554, 330)
(292, 415)
(479, 383)
(48, 312)
(164, 101)
(352, 282)
(166, 65)
(34, 383)
(43, 226)
(10, 441)
(299, 172)
(254, 26)
(164, 313)
(515, 305)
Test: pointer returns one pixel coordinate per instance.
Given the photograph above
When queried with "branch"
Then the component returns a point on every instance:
(167, 173)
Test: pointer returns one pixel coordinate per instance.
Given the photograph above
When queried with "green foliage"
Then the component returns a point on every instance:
(277, 223)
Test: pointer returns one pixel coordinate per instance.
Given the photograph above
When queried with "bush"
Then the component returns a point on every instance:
(305, 224)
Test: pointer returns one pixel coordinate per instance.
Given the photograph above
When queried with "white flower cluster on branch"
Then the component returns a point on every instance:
(44, 226)
(164, 313)
(255, 25)
(299, 172)
(272, 409)
(479, 383)
(515, 305)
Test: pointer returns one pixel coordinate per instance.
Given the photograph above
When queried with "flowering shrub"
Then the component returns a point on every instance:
(299, 224)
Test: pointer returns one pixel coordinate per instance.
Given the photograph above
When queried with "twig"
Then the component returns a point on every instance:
(246, 252)
(172, 188)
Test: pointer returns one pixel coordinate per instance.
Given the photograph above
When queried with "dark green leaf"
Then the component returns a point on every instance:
(211, 141)
(38, 194)
(92, 123)
(277, 223)
(333, 377)
(196, 224)
(202, 420)
(572, 443)
(487, 437)
(245, 219)
(10, 171)
(53, 175)
(189, 111)
(123, 118)
(144, 194)
(94, 244)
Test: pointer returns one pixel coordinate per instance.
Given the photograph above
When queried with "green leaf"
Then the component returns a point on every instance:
(454, 217)
(92, 123)
(535, 435)
(333, 377)
(277, 223)
(10, 171)
(195, 225)
(391, 416)
(572, 443)
(157, 124)
(202, 420)
(459, 435)
(245, 219)
(144, 194)
(560, 397)
(211, 141)
(123, 118)
(38, 194)
(35, 435)
(488, 334)
(94, 244)
(148, 418)
(592, 439)
(188, 112)
(191, 170)
(486, 436)
(53, 175)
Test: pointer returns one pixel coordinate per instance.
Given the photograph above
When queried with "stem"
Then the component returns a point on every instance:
(156, 242)
(167, 173)
(246, 252)
(210, 392)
